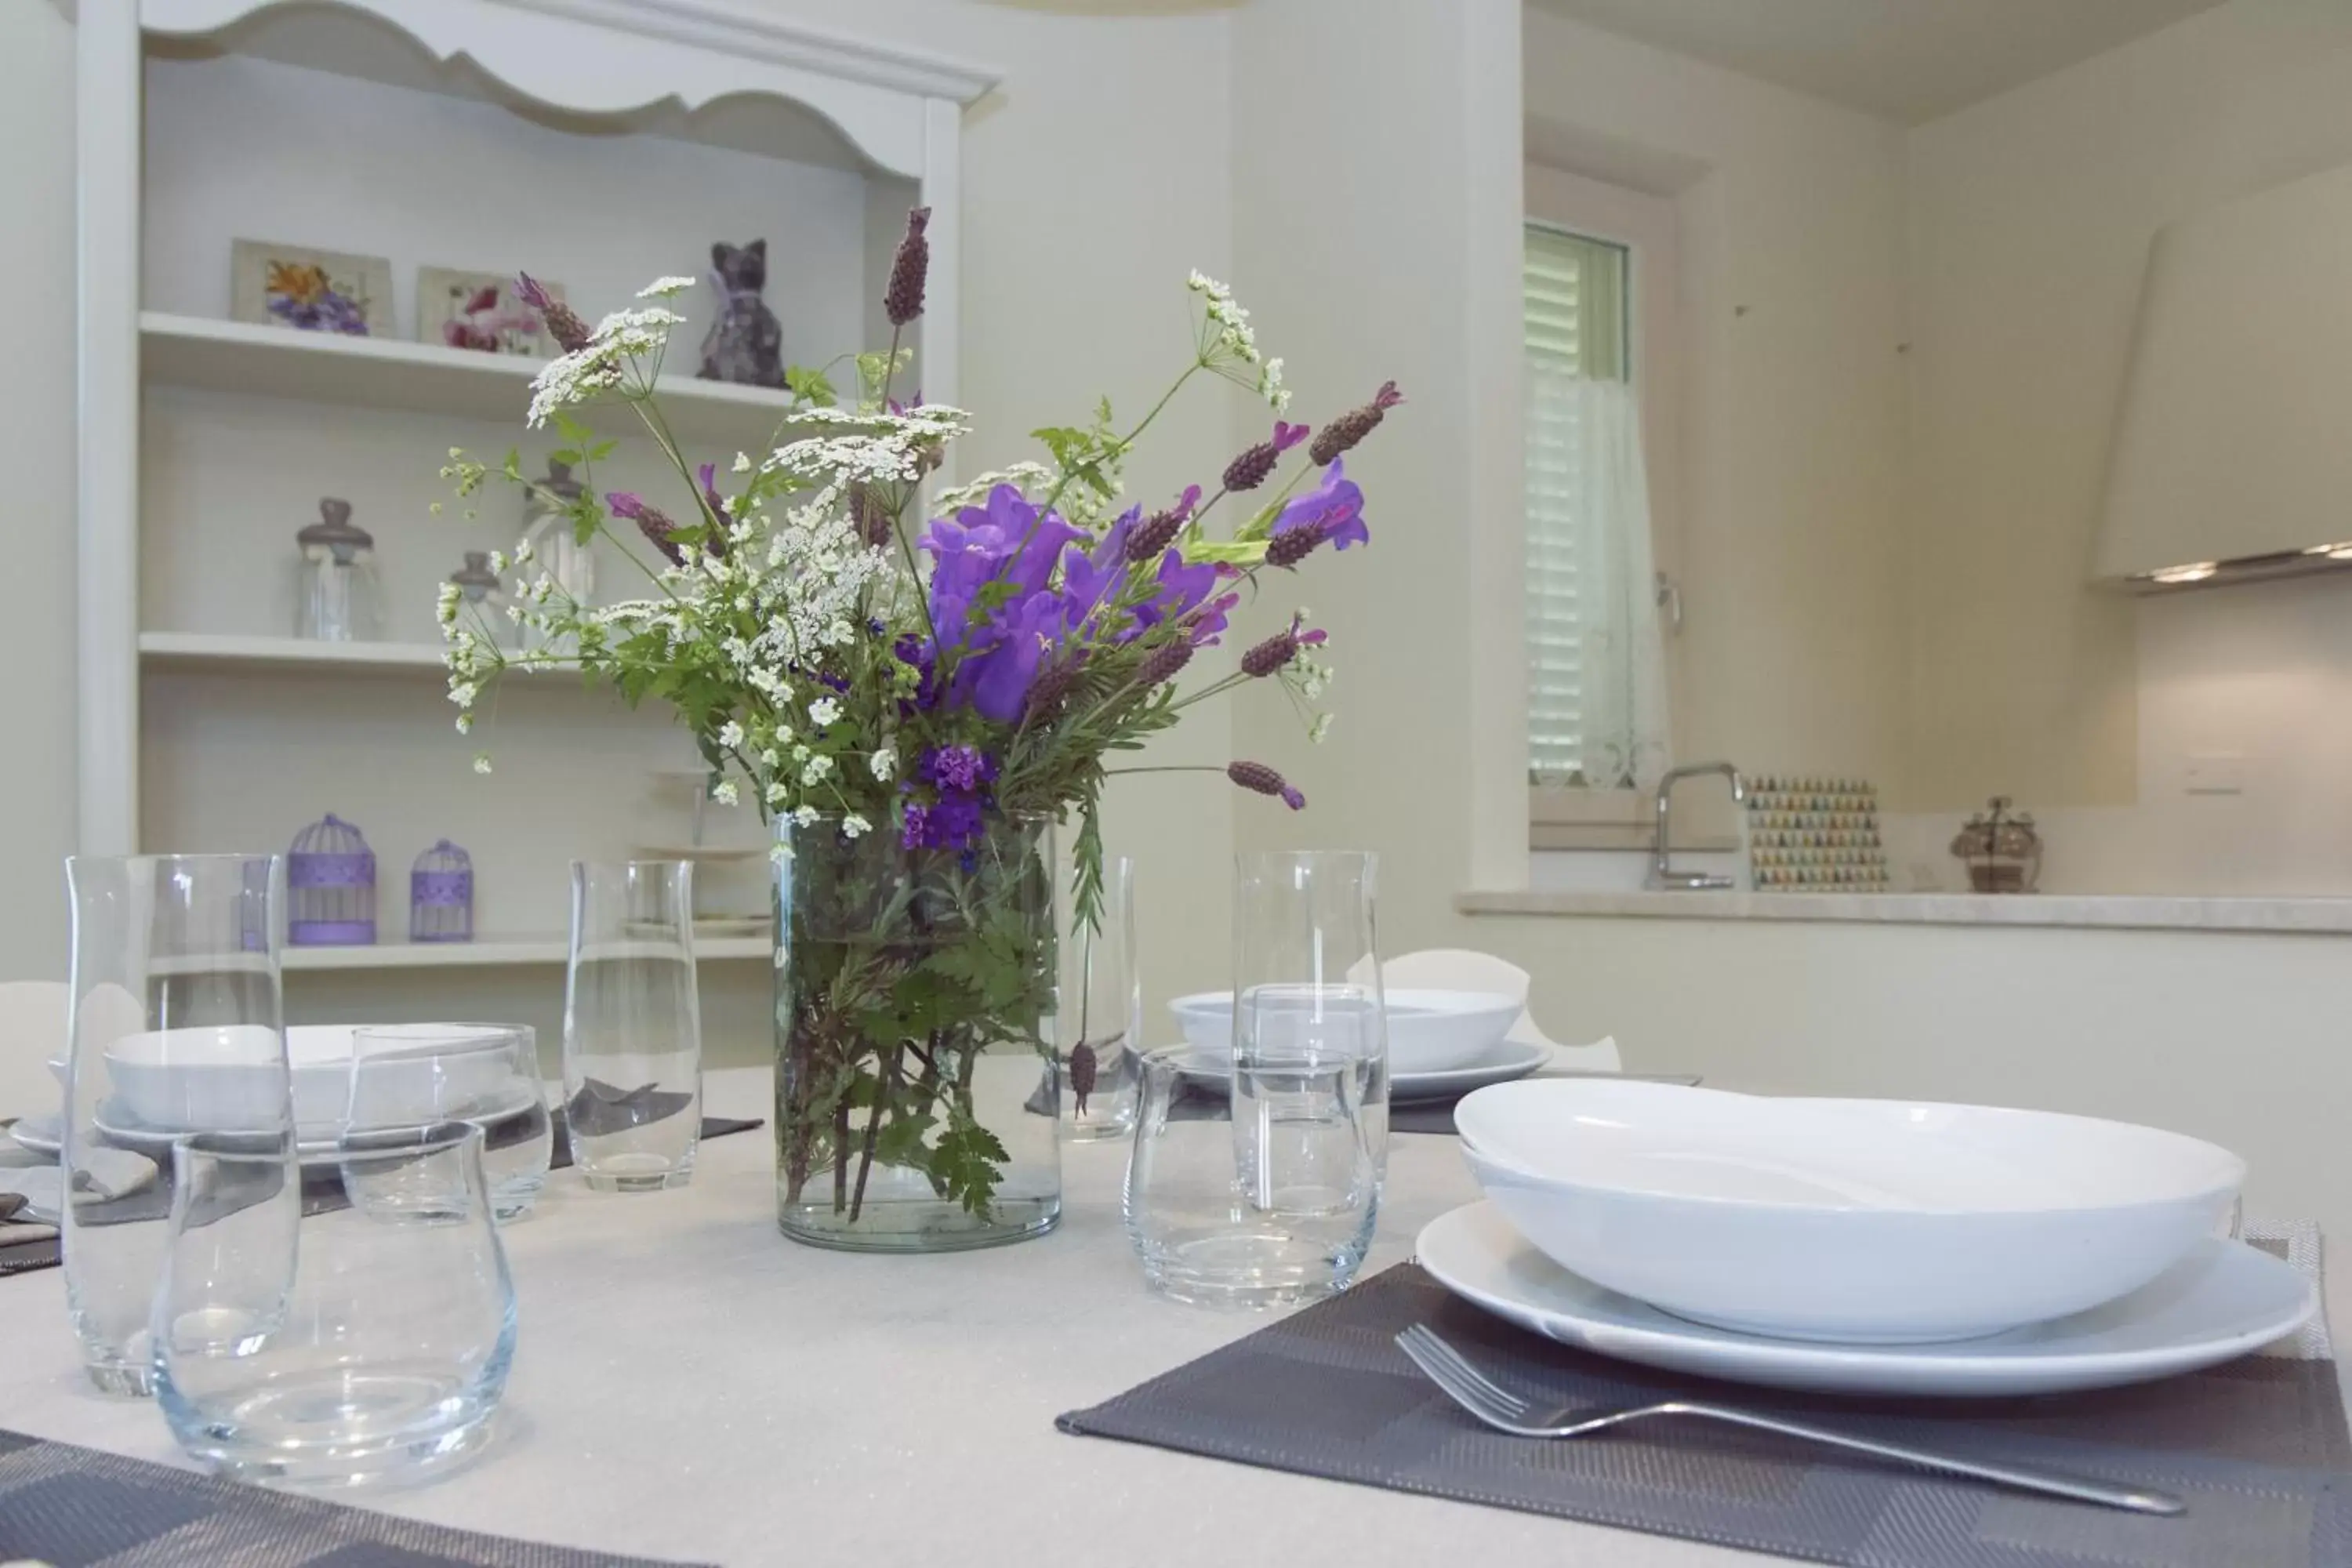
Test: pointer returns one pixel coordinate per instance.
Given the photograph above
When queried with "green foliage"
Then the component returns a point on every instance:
(810, 387)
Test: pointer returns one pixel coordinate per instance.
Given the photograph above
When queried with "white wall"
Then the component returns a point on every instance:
(2032, 215)
(1792, 258)
(37, 540)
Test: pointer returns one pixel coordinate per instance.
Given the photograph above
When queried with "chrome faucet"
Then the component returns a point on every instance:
(1663, 874)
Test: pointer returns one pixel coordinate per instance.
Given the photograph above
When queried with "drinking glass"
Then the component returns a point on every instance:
(633, 1026)
(354, 1345)
(1208, 1232)
(174, 1028)
(1101, 1014)
(414, 1075)
(1306, 986)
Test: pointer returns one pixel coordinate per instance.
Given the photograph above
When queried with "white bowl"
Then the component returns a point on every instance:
(198, 1079)
(232, 1086)
(1429, 1031)
(1861, 1220)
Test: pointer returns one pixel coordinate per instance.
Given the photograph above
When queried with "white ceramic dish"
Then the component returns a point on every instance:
(2222, 1301)
(1429, 1031)
(1840, 1219)
(232, 1091)
(40, 1134)
(1507, 1059)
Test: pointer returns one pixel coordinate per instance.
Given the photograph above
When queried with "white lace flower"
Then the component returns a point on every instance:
(816, 769)
(725, 793)
(742, 464)
(481, 762)
(1318, 729)
(1270, 387)
(882, 763)
(806, 816)
(668, 288)
(824, 712)
(730, 735)
(855, 827)
(777, 791)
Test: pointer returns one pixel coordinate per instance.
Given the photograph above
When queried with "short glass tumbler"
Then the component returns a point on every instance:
(414, 1075)
(356, 1345)
(1212, 1231)
(1101, 1014)
(633, 1026)
(174, 1028)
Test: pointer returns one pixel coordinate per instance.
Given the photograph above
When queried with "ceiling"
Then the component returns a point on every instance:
(1907, 60)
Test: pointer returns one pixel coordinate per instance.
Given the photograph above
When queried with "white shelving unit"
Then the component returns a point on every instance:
(528, 952)
(597, 142)
(201, 651)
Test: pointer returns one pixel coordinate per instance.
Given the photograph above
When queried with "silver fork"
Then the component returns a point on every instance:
(1499, 1408)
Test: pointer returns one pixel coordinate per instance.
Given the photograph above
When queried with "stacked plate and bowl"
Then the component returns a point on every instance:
(1855, 1245)
(1441, 1044)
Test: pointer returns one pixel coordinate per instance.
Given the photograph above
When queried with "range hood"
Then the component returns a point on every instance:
(2233, 458)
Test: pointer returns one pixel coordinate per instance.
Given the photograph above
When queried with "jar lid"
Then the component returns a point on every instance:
(559, 483)
(336, 531)
(475, 574)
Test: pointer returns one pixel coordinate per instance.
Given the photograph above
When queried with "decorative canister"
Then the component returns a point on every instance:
(2001, 849)
(331, 886)
(485, 597)
(441, 895)
(335, 585)
(554, 544)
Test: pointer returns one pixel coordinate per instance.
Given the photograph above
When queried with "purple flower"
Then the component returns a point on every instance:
(958, 767)
(1286, 436)
(1008, 541)
(1334, 510)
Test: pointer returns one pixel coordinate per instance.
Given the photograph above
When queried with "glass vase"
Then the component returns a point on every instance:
(917, 1082)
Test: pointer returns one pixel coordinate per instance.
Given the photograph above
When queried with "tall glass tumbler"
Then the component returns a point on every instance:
(175, 1027)
(1101, 1014)
(357, 1345)
(414, 1075)
(1306, 995)
(633, 1026)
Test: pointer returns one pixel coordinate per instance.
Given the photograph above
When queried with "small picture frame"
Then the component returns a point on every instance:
(309, 290)
(478, 311)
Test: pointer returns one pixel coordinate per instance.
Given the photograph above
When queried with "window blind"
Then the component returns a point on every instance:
(1574, 326)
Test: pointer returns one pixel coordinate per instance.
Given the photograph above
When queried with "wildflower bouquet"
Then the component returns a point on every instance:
(913, 689)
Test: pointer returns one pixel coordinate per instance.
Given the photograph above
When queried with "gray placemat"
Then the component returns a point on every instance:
(2258, 1447)
(82, 1508)
(320, 1192)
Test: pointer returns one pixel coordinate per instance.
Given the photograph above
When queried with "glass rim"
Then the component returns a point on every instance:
(460, 1036)
(671, 864)
(1295, 856)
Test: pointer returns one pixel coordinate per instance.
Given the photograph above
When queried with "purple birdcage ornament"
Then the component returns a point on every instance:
(331, 886)
(441, 895)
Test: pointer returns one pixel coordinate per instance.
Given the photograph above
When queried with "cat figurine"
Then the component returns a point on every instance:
(745, 344)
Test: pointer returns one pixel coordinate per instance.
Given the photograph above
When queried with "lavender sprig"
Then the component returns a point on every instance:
(903, 300)
(1265, 780)
(1342, 433)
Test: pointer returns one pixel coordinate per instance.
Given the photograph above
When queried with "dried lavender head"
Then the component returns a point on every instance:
(564, 324)
(1148, 539)
(1249, 471)
(1342, 433)
(1048, 697)
(1272, 654)
(1083, 1069)
(651, 520)
(1294, 545)
(903, 301)
(1163, 662)
(1265, 780)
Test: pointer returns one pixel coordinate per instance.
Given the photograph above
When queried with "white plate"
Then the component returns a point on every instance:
(2225, 1300)
(1841, 1219)
(1504, 1061)
(40, 1134)
(1428, 1030)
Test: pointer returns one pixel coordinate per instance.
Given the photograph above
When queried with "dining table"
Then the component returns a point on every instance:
(689, 1384)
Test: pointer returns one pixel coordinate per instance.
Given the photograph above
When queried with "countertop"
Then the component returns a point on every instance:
(2310, 916)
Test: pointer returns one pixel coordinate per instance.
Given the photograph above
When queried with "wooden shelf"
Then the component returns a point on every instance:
(206, 649)
(424, 378)
(540, 950)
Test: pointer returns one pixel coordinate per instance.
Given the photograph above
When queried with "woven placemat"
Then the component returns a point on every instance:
(2257, 1446)
(83, 1508)
(326, 1193)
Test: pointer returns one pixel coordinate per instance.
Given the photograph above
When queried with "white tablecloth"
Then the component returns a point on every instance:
(689, 1384)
